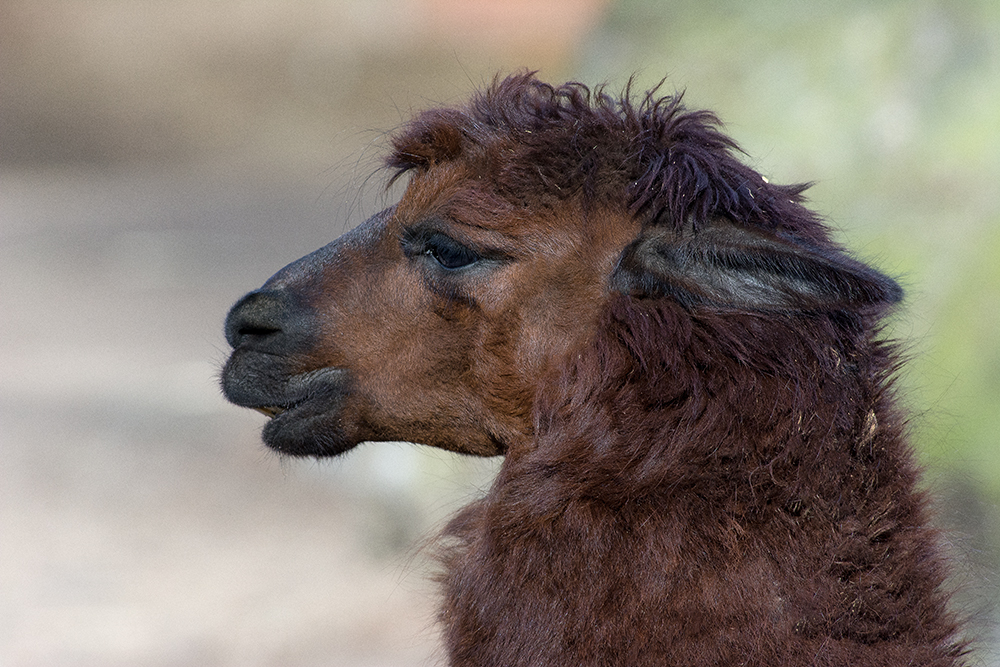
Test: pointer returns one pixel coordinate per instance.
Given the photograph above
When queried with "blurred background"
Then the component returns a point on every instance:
(158, 158)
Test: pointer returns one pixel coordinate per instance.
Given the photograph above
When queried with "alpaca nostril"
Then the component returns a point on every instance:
(245, 331)
(266, 320)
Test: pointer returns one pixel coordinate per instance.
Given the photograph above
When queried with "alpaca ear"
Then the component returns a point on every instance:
(728, 266)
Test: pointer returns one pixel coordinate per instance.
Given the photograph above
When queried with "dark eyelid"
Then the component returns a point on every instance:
(420, 234)
(414, 241)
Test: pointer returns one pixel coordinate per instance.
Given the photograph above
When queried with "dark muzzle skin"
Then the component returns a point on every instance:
(274, 332)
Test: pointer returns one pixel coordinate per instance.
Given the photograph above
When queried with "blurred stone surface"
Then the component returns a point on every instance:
(141, 520)
(98, 82)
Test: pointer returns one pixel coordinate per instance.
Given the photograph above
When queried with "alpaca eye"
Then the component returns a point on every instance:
(448, 252)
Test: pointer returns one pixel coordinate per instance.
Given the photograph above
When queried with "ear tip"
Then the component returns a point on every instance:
(896, 293)
(887, 291)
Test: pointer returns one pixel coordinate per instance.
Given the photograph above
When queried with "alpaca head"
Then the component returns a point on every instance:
(526, 212)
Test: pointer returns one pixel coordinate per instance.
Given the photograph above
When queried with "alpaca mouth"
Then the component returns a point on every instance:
(270, 410)
(304, 410)
(305, 393)
(279, 414)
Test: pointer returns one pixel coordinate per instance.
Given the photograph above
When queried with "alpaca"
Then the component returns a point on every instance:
(704, 459)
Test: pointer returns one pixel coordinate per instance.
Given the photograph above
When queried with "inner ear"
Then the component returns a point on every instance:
(730, 266)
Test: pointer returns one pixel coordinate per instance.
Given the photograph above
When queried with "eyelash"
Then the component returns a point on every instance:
(449, 254)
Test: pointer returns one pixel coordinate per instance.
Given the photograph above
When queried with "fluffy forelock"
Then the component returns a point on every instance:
(666, 164)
